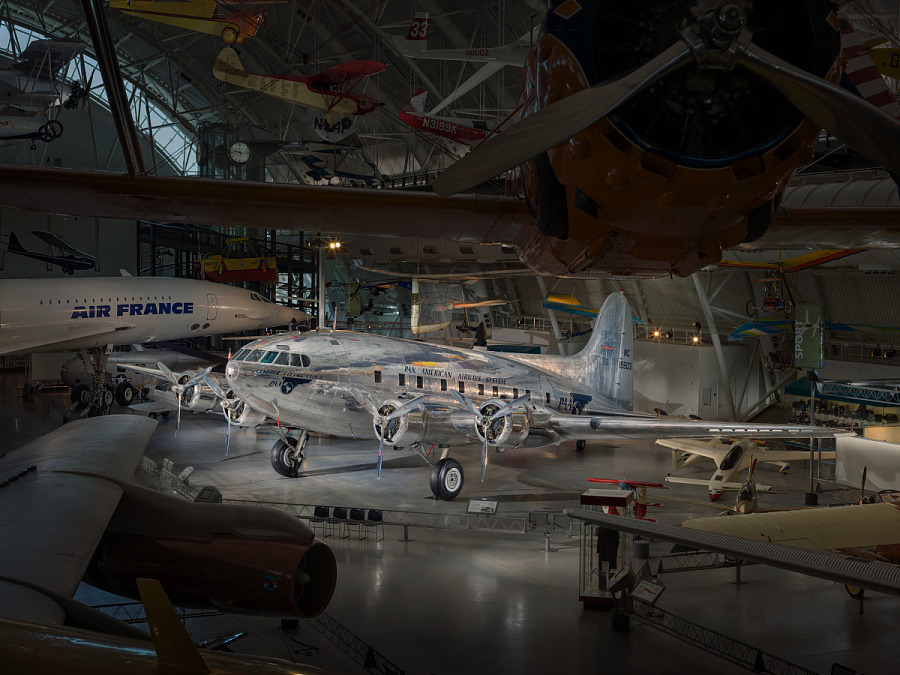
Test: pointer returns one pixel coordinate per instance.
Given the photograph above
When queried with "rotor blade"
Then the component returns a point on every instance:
(403, 409)
(857, 123)
(554, 124)
(505, 410)
(465, 402)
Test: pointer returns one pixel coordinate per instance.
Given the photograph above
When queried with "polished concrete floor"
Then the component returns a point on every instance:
(455, 601)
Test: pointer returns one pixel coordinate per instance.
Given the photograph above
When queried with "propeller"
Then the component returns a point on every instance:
(483, 421)
(842, 114)
(381, 419)
(862, 489)
(180, 387)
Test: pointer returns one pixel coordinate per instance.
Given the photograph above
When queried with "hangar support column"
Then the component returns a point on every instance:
(717, 345)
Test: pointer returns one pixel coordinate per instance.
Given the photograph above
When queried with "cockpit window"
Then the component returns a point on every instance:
(269, 357)
(240, 355)
(281, 359)
(300, 360)
(254, 355)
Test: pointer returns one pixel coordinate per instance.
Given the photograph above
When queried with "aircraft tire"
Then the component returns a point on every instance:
(108, 397)
(81, 395)
(580, 445)
(125, 394)
(153, 415)
(855, 591)
(281, 460)
(165, 413)
(548, 204)
(229, 35)
(446, 479)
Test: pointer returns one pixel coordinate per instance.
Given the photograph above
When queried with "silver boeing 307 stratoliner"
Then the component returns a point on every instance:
(417, 394)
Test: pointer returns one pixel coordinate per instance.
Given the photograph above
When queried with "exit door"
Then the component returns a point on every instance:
(212, 306)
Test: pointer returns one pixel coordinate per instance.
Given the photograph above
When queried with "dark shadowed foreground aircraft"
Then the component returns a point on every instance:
(417, 394)
(61, 253)
(656, 134)
(70, 511)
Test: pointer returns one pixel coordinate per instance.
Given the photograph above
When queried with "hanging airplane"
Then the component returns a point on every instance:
(731, 457)
(34, 86)
(90, 314)
(63, 254)
(415, 394)
(330, 91)
(74, 514)
(243, 20)
(660, 161)
(457, 129)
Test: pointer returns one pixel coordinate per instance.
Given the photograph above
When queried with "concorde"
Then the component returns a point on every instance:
(417, 394)
(45, 315)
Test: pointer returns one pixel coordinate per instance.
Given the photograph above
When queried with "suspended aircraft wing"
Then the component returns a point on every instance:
(795, 264)
(486, 274)
(351, 70)
(869, 574)
(705, 483)
(716, 450)
(850, 526)
(16, 340)
(44, 59)
(52, 240)
(587, 426)
(57, 510)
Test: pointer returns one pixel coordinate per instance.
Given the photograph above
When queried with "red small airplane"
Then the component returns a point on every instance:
(455, 128)
(640, 493)
(330, 91)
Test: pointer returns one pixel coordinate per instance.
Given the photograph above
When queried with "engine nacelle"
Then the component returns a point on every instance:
(234, 558)
(426, 423)
(509, 431)
(244, 415)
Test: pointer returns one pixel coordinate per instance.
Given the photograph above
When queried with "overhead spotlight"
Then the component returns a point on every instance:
(696, 339)
(668, 335)
(656, 333)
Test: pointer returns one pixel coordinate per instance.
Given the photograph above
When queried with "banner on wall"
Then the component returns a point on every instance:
(809, 343)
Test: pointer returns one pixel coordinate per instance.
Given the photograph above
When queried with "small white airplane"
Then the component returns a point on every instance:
(415, 46)
(731, 457)
(34, 86)
(91, 314)
(415, 394)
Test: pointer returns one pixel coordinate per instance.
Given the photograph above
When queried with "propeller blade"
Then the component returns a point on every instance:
(197, 378)
(164, 369)
(227, 413)
(178, 417)
(465, 402)
(857, 123)
(554, 124)
(862, 489)
(403, 409)
(505, 410)
(214, 386)
(380, 452)
(484, 456)
(365, 402)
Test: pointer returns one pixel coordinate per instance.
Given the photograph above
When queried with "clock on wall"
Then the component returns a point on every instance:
(239, 152)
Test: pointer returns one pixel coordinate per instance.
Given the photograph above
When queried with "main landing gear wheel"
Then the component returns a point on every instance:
(580, 445)
(855, 591)
(51, 131)
(125, 394)
(81, 395)
(446, 479)
(286, 458)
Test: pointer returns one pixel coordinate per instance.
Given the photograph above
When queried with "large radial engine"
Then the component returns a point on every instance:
(695, 162)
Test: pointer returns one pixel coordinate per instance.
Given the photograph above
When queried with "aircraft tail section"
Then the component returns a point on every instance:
(417, 35)
(416, 102)
(11, 241)
(228, 68)
(605, 363)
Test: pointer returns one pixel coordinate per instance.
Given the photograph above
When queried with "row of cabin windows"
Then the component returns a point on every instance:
(276, 358)
(461, 385)
(85, 301)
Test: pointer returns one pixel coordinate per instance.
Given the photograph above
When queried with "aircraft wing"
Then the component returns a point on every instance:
(819, 529)
(57, 506)
(588, 426)
(154, 406)
(52, 240)
(44, 59)
(466, 218)
(705, 483)
(146, 370)
(869, 574)
(39, 338)
(351, 70)
(715, 450)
